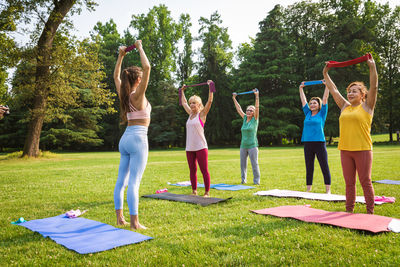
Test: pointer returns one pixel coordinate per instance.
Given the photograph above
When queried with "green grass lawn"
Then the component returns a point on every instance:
(379, 138)
(189, 235)
(383, 137)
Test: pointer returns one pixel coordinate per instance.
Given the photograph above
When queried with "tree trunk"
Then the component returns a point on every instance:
(42, 82)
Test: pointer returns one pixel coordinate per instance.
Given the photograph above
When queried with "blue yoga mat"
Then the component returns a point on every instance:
(387, 182)
(83, 235)
(228, 187)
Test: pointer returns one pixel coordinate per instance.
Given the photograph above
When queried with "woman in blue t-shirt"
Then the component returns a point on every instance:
(313, 136)
(249, 143)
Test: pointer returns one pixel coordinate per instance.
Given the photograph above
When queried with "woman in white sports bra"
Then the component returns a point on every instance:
(135, 110)
(196, 144)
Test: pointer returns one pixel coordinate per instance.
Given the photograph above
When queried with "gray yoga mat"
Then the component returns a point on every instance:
(203, 201)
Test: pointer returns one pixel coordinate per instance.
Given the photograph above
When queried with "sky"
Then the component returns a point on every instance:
(240, 17)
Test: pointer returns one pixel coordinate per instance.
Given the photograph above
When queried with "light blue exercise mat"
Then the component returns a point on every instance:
(227, 187)
(83, 235)
(387, 182)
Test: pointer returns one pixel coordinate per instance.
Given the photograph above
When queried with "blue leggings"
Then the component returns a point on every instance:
(134, 149)
(310, 150)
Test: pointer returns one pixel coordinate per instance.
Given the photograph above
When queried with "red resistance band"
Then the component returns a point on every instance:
(211, 86)
(130, 48)
(335, 64)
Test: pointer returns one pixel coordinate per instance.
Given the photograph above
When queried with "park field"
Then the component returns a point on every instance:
(225, 234)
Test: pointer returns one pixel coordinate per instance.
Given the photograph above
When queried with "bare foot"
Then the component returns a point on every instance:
(328, 188)
(122, 222)
(309, 188)
(120, 218)
(207, 194)
(135, 223)
(194, 192)
(138, 226)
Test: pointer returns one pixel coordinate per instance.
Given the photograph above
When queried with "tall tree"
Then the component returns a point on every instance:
(388, 47)
(9, 14)
(270, 68)
(52, 15)
(76, 98)
(215, 64)
(185, 61)
(304, 30)
(350, 30)
(109, 38)
(160, 35)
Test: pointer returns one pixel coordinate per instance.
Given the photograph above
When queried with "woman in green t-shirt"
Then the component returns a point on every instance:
(249, 144)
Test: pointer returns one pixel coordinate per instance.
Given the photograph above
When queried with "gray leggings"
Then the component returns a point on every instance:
(253, 154)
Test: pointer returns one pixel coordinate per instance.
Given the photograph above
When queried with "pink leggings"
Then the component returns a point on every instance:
(200, 156)
(360, 161)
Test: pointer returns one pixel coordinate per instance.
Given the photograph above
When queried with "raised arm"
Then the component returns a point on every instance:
(237, 106)
(141, 89)
(117, 69)
(373, 83)
(326, 94)
(185, 105)
(204, 112)
(302, 95)
(339, 99)
(3, 110)
(257, 104)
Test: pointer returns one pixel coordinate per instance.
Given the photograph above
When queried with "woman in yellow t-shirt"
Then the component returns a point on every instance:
(355, 143)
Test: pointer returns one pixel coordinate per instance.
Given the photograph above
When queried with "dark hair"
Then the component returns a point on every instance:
(128, 78)
(319, 100)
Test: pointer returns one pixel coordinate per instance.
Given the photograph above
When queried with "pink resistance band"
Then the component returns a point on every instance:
(335, 64)
(211, 86)
(130, 48)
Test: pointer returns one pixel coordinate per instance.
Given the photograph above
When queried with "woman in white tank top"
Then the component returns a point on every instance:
(196, 144)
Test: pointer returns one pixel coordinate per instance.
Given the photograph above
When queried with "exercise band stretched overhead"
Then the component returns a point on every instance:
(130, 48)
(248, 92)
(335, 64)
(211, 86)
(313, 82)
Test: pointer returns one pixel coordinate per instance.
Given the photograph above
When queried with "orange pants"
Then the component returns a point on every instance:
(360, 162)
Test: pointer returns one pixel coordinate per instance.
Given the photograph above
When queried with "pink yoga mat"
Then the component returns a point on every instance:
(367, 222)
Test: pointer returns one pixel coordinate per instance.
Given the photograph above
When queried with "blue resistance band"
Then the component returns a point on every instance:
(313, 82)
(248, 92)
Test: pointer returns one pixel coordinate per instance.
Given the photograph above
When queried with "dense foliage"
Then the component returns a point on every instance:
(291, 46)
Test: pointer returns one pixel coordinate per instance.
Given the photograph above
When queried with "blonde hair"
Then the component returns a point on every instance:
(251, 106)
(196, 99)
(318, 99)
(363, 89)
